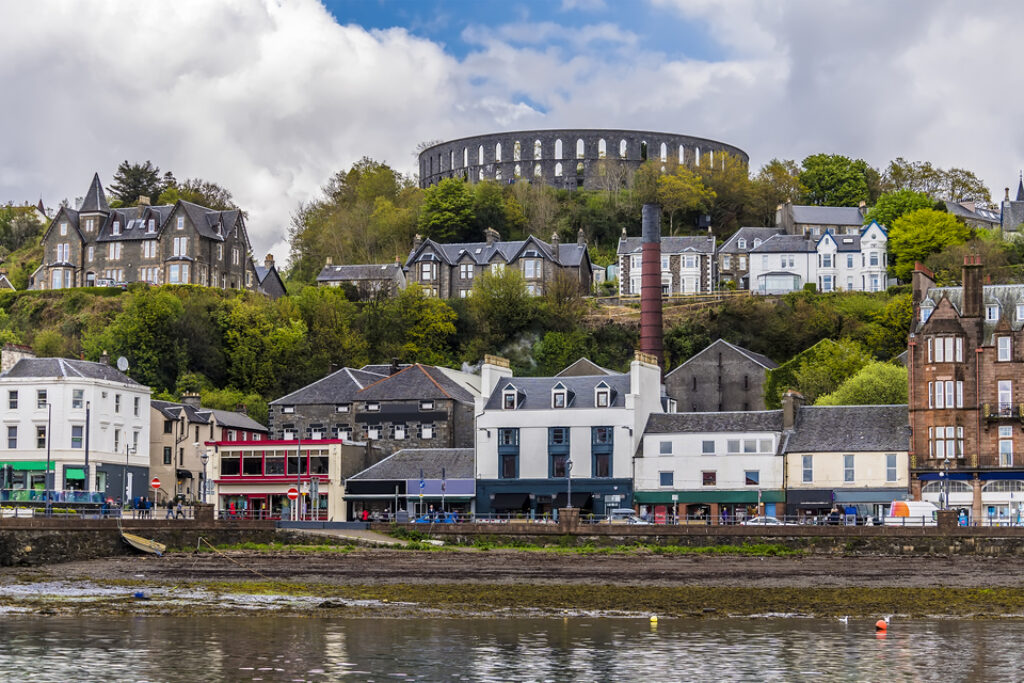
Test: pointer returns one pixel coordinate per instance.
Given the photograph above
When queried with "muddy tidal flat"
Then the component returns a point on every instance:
(402, 583)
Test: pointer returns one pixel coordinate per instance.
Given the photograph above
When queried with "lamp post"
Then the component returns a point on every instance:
(204, 458)
(88, 478)
(568, 482)
(128, 449)
(298, 474)
(49, 479)
(945, 468)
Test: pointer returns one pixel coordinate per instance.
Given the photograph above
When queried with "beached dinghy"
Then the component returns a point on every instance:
(144, 544)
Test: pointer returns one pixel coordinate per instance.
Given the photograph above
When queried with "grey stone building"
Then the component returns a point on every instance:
(1013, 210)
(687, 265)
(367, 281)
(268, 279)
(178, 244)
(797, 219)
(734, 254)
(722, 377)
(415, 406)
(450, 270)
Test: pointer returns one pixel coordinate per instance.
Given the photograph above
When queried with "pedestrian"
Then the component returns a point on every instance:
(231, 508)
(170, 508)
(179, 510)
(366, 515)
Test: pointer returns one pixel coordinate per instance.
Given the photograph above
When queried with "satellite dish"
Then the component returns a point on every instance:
(122, 364)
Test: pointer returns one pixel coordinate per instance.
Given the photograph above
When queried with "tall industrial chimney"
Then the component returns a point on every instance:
(651, 333)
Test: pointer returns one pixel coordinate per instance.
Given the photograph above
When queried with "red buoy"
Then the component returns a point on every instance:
(880, 625)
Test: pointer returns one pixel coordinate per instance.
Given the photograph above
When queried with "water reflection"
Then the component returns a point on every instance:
(259, 647)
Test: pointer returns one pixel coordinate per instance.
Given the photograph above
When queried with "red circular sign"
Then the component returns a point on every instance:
(154, 483)
(293, 493)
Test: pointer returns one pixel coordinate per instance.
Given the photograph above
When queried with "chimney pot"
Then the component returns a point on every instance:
(269, 261)
(492, 236)
(191, 399)
(581, 238)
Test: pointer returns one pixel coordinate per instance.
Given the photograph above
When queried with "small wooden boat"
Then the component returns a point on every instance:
(144, 544)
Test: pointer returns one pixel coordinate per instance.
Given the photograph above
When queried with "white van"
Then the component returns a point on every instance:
(911, 513)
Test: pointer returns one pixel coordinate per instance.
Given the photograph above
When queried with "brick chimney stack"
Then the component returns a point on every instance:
(972, 286)
(492, 236)
(191, 399)
(268, 262)
(791, 402)
(651, 330)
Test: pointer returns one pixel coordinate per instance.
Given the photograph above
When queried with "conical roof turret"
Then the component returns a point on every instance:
(95, 200)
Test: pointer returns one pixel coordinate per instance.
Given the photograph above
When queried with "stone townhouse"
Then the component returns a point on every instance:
(815, 221)
(268, 279)
(734, 254)
(179, 433)
(450, 270)
(183, 243)
(832, 262)
(687, 265)
(722, 377)
(1012, 211)
(367, 281)
(966, 368)
(412, 406)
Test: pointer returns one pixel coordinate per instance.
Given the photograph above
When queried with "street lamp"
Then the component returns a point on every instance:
(568, 481)
(128, 449)
(945, 467)
(49, 479)
(204, 458)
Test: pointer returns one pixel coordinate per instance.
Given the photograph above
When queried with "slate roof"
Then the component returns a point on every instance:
(224, 418)
(67, 367)
(348, 273)
(236, 420)
(834, 429)
(704, 423)
(415, 382)
(338, 387)
(671, 245)
(408, 463)
(785, 244)
(585, 367)
(1006, 296)
(172, 411)
(763, 361)
(978, 214)
(843, 242)
(535, 392)
(749, 234)
(827, 215)
(95, 199)
(481, 253)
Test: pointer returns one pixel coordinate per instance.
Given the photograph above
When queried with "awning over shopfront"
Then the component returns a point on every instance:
(999, 475)
(955, 476)
(580, 499)
(23, 465)
(704, 497)
(184, 474)
(871, 496)
(811, 498)
(510, 501)
(74, 473)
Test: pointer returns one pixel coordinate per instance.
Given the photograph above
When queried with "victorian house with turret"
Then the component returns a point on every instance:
(176, 244)
(966, 365)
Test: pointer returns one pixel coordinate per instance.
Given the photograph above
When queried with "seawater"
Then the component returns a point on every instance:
(261, 647)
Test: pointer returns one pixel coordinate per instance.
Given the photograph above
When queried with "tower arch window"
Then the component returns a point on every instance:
(558, 169)
(623, 149)
(465, 157)
(536, 171)
(518, 171)
(517, 151)
(580, 148)
(558, 148)
(480, 155)
(664, 152)
(602, 149)
(696, 156)
(643, 150)
(682, 154)
(497, 151)
(538, 150)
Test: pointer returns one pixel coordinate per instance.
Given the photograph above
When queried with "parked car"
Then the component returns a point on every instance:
(763, 521)
(624, 516)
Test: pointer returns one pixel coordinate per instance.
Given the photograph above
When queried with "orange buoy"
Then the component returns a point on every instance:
(880, 625)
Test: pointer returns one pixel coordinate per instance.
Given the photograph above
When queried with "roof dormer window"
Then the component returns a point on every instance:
(559, 396)
(992, 312)
(757, 242)
(926, 312)
(742, 244)
(509, 398)
(151, 225)
(602, 396)
(1020, 312)
(117, 228)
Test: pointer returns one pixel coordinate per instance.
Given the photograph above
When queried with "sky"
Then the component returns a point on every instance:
(270, 98)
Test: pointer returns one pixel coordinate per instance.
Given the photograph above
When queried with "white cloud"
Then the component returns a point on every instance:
(585, 5)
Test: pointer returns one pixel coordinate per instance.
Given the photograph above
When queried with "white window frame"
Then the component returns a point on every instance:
(1003, 348)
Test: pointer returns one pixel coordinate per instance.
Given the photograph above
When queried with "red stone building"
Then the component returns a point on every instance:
(966, 374)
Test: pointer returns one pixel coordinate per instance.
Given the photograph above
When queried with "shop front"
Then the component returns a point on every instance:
(709, 507)
(810, 505)
(867, 504)
(539, 498)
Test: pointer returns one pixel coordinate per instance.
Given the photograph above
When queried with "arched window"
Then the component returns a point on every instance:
(602, 149)
(465, 157)
(480, 155)
(664, 152)
(579, 148)
(682, 154)
(558, 170)
(643, 150)
(451, 159)
(711, 158)
(497, 152)
(623, 149)
(579, 169)
(538, 149)
(497, 174)
(519, 171)
(517, 152)
(536, 171)
(558, 148)
(955, 486)
(696, 156)
(480, 173)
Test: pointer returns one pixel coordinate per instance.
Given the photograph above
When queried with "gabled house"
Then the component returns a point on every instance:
(369, 282)
(183, 243)
(721, 377)
(449, 270)
(535, 433)
(585, 367)
(687, 265)
(815, 221)
(414, 480)
(734, 254)
(268, 280)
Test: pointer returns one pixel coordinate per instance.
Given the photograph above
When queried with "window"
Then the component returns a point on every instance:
(666, 479)
(826, 260)
(890, 467)
(849, 260)
(427, 431)
(114, 250)
(708, 478)
(947, 394)
(725, 261)
(732, 446)
(91, 253)
(220, 252)
(707, 447)
(509, 399)
(135, 410)
(117, 227)
(559, 396)
(665, 448)
(926, 312)
(497, 268)
(602, 465)
(287, 409)
(90, 225)
(1006, 446)
(766, 446)
(508, 465)
(752, 478)
(41, 436)
(531, 268)
(750, 445)
(808, 469)
(230, 464)
(234, 256)
(167, 455)
(743, 263)
(1003, 343)
(399, 431)
(41, 398)
(601, 436)
(168, 426)
(181, 246)
(558, 436)
(12, 436)
(181, 223)
(664, 262)
(12, 399)
(1020, 312)
(508, 436)
(149, 248)
(558, 465)
(466, 271)
(946, 350)
(117, 403)
(634, 262)
(689, 261)
(873, 258)
(945, 442)
(373, 432)
(373, 407)
(992, 312)
(151, 226)
(288, 434)
(77, 398)
(76, 436)
(848, 472)
(426, 271)
(1005, 389)
(741, 244)
(602, 398)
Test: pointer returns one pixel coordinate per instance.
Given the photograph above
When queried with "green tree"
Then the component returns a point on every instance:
(447, 212)
(557, 350)
(682, 191)
(876, 383)
(815, 371)
(834, 180)
(918, 234)
(892, 205)
(776, 183)
(254, 405)
(729, 180)
(412, 327)
(134, 180)
(501, 305)
(198, 191)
